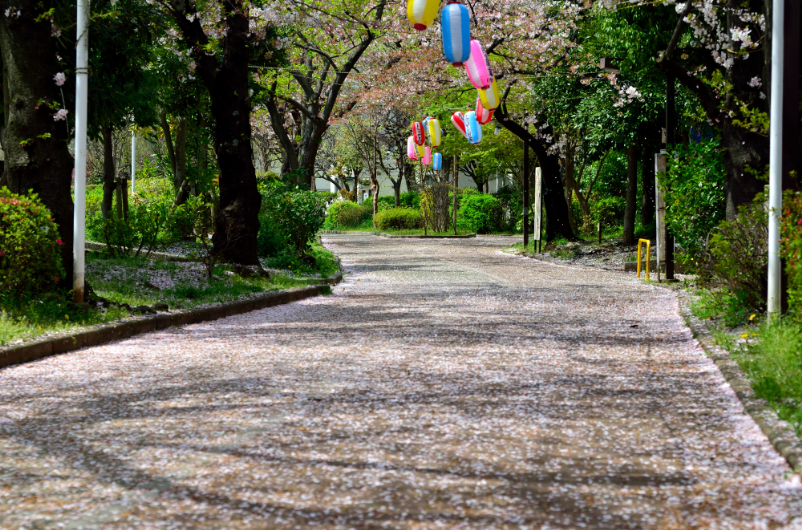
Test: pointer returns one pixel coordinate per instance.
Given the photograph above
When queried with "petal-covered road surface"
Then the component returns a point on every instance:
(443, 385)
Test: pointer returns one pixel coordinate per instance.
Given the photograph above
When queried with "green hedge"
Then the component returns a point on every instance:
(399, 219)
(480, 213)
(348, 214)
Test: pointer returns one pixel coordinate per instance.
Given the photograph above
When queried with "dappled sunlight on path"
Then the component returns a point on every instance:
(443, 385)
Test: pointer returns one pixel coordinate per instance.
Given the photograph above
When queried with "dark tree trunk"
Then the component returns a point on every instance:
(226, 79)
(397, 192)
(553, 195)
(36, 156)
(632, 195)
(647, 187)
(109, 186)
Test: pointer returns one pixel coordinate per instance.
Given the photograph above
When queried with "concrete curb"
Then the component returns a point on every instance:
(390, 236)
(780, 433)
(105, 333)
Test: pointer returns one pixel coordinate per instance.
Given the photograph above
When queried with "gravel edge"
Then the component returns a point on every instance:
(105, 333)
(779, 432)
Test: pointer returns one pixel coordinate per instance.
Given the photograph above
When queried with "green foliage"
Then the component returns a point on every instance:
(30, 260)
(410, 199)
(151, 221)
(774, 361)
(480, 213)
(693, 190)
(289, 220)
(399, 219)
(348, 214)
(385, 203)
(609, 211)
(737, 255)
(791, 247)
(511, 199)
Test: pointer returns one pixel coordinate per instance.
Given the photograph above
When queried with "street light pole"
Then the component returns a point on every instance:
(776, 155)
(81, 102)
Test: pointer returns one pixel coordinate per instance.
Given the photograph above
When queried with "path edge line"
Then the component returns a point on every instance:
(105, 333)
(779, 432)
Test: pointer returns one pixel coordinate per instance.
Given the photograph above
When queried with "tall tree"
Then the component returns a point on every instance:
(221, 41)
(326, 51)
(34, 132)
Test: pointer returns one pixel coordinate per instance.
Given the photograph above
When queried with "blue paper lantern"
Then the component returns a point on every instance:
(456, 33)
(437, 161)
(473, 129)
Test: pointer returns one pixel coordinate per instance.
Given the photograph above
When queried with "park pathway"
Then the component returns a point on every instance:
(443, 385)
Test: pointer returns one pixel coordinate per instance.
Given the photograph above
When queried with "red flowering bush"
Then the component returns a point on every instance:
(29, 245)
(791, 245)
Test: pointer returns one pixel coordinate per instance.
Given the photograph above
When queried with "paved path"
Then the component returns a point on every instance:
(444, 385)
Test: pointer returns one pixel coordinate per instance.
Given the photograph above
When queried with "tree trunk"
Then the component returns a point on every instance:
(397, 192)
(647, 188)
(632, 192)
(180, 172)
(108, 172)
(553, 195)
(226, 77)
(168, 142)
(36, 156)
(374, 188)
(569, 185)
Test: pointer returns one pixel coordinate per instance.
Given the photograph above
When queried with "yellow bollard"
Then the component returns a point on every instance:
(648, 255)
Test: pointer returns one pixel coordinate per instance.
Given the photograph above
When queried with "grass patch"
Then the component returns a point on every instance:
(32, 317)
(770, 354)
(772, 358)
(728, 308)
(140, 281)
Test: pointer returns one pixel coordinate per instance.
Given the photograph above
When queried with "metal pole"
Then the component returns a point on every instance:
(456, 188)
(81, 102)
(133, 162)
(526, 195)
(775, 154)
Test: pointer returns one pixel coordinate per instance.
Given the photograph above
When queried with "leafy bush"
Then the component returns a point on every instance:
(140, 232)
(289, 220)
(737, 255)
(693, 190)
(791, 246)
(399, 219)
(479, 213)
(348, 214)
(609, 211)
(410, 199)
(385, 203)
(29, 245)
(512, 204)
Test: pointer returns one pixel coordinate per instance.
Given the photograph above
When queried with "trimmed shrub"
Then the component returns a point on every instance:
(480, 213)
(399, 219)
(609, 211)
(30, 258)
(289, 220)
(348, 214)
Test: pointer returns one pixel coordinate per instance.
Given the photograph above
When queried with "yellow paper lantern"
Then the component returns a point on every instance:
(421, 13)
(490, 98)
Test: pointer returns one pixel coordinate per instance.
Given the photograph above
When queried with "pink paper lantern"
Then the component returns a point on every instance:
(458, 119)
(478, 66)
(418, 133)
(412, 153)
(483, 115)
(427, 156)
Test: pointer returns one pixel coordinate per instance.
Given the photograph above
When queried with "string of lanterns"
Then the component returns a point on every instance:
(459, 50)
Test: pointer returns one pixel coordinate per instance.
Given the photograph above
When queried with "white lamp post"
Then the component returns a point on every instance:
(81, 101)
(775, 154)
